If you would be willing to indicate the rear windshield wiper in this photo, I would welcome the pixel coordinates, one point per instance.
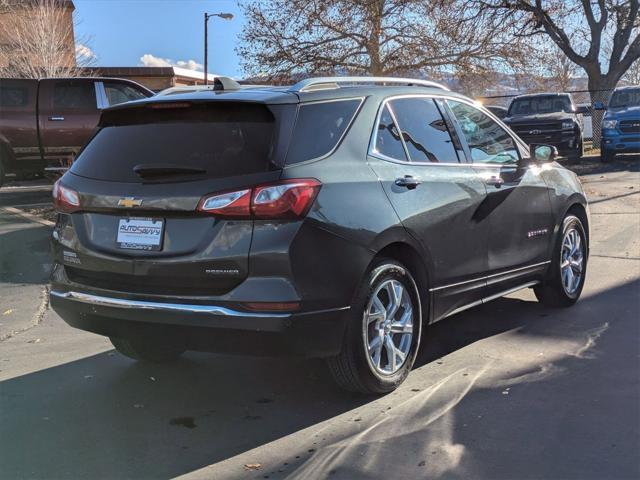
(165, 170)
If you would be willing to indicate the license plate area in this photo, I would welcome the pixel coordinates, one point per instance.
(137, 233)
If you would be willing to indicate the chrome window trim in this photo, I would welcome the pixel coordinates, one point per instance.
(344, 134)
(528, 267)
(372, 141)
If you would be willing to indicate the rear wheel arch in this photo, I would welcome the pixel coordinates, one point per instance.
(409, 256)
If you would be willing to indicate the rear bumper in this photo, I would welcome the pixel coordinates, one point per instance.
(206, 327)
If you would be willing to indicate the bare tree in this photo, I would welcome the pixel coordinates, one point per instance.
(633, 74)
(37, 40)
(581, 30)
(376, 37)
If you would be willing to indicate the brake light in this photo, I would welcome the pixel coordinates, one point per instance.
(288, 199)
(65, 200)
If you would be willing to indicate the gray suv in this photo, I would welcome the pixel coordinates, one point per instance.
(334, 218)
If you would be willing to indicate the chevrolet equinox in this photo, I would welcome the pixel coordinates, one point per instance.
(335, 218)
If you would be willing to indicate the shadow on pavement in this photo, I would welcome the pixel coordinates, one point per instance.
(18, 267)
(106, 417)
(592, 165)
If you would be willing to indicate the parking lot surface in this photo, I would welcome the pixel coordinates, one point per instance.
(507, 390)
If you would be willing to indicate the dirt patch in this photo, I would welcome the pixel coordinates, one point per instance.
(47, 212)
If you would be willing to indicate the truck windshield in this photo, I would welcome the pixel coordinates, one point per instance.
(541, 104)
(625, 98)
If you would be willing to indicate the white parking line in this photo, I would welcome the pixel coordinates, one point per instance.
(28, 216)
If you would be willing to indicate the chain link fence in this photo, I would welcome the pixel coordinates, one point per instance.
(592, 120)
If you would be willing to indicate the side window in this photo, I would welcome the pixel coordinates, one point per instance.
(424, 131)
(319, 128)
(80, 95)
(388, 142)
(120, 93)
(488, 141)
(12, 97)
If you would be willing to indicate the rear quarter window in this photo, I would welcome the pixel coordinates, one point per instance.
(319, 127)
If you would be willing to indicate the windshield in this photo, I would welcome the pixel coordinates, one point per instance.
(625, 98)
(542, 104)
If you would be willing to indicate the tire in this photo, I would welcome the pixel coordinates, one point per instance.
(2, 173)
(576, 155)
(146, 350)
(554, 291)
(354, 369)
(607, 157)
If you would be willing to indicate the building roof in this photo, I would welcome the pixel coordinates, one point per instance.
(152, 72)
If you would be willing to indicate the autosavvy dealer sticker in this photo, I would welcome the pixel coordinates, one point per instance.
(140, 233)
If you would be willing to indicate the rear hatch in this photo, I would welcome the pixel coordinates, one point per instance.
(140, 182)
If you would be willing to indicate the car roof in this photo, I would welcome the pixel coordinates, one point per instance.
(543, 94)
(285, 95)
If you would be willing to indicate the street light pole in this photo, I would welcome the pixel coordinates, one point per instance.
(207, 16)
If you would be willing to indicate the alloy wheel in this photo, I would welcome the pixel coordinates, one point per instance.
(571, 261)
(388, 327)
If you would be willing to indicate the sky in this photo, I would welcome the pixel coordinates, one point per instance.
(125, 33)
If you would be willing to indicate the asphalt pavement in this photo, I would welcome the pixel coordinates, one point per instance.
(509, 390)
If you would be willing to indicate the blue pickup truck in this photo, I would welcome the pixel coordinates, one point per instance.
(621, 123)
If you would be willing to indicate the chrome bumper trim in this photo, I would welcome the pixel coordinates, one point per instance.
(161, 307)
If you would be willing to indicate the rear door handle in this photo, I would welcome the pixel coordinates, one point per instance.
(56, 118)
(495, 181)
(408, 182)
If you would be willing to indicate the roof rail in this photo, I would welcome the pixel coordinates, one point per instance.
(329, 83)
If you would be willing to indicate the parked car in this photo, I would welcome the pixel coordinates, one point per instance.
(335, 218)
(550, 118)
(46, 122)
(621, 123)
(498, 111)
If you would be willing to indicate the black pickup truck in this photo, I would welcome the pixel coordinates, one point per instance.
(548, 118)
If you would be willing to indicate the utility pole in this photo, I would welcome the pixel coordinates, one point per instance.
(207, 16)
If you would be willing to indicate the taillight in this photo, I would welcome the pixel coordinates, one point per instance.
(228, 204)
(65, 200)
(288, 199)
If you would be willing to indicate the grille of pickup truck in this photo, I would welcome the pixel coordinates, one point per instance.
(530, 129)
(630, 126)
(543, 132)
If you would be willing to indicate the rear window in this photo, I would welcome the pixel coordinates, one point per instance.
(80, 95)
(220, 139)
(319, 128)
(14, 97)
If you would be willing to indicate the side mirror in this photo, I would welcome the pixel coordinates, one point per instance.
(582, 110)
(543, 153)
(599, 106)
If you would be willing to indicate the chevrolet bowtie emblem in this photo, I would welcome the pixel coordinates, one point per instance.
(129, 202)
